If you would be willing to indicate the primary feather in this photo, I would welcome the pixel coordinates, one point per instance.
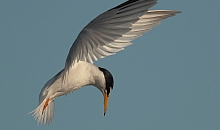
(114, 29)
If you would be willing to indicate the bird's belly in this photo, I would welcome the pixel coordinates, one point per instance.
(80, 75)
(76, 81)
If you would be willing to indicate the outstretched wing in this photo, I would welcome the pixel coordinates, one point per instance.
(114, 29)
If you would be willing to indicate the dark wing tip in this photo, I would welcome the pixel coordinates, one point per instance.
(131, 2)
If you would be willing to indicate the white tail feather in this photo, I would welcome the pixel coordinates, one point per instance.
(47, 116)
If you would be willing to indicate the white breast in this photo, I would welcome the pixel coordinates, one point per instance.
(80, 75)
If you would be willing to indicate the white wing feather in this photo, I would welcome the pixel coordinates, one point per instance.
(113, 30)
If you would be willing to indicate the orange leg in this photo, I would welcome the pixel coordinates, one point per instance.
(45, 105)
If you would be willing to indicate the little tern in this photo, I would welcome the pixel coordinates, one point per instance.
(105, 35)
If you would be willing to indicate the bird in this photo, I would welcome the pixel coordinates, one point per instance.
(108, 33)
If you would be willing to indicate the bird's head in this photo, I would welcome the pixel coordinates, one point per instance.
(109, 83)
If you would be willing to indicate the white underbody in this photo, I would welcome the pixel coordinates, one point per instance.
(79, 75)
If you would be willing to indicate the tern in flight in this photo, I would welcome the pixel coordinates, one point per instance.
(105, 35)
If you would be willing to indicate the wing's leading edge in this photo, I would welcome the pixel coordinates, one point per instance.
(114, 29)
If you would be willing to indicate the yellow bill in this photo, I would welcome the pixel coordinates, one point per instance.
(105, 102)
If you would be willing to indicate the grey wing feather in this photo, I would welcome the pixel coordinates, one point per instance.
(114, 29)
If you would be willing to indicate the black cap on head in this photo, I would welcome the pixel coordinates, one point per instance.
(109, 81)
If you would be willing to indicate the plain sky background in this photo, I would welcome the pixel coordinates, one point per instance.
(169, 79)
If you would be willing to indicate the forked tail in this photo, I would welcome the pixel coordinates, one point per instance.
(44, 113)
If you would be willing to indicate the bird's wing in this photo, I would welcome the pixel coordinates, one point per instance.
(114, 29)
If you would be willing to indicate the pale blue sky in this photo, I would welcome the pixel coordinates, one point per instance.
(169, 79)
